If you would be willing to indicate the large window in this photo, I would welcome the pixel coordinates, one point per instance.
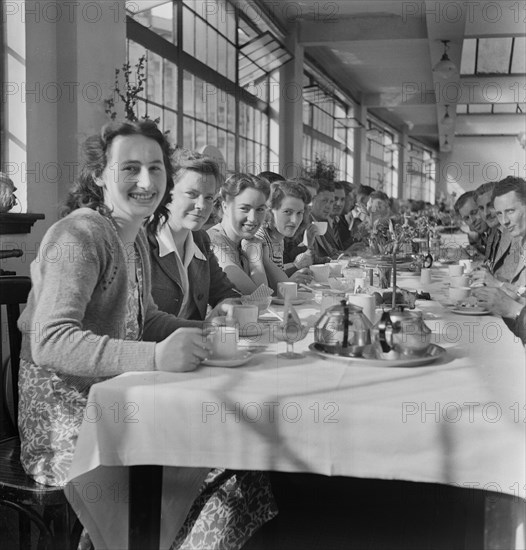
(323, 136)
(207, 82)
(421, 174)
(381, 167)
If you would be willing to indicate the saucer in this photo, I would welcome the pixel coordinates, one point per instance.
(301, 299)
(470, 310)
(236, 361)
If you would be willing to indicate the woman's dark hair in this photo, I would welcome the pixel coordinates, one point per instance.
(237, 183)
(271, 177)
(287, 188)
(379, 195)
(95, 151)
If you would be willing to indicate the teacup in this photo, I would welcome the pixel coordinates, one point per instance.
(288, 290)
(425, 276)
(224, 341)
(245, 315)
(320, 272)
(468, 265)
(459, 293)
(335, 269)
(455, 270)
(460, 281)
(367, 302)
(322, 227)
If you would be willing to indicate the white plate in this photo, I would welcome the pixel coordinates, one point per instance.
(232, 362)
(435, 352)
(470, 311)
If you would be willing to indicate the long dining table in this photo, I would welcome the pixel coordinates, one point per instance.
(458, 421)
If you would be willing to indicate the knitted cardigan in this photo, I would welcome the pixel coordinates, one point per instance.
(74, 321)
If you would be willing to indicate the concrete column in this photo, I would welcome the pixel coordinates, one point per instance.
(403, 158)
(291, 109)
(360, 144)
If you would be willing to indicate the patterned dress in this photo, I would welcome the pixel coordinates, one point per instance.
(52, 406)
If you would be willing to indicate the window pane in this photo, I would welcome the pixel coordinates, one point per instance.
(188, 133)
(221, 56)
(170, 84)
(188, 93)
(211, 135)
(221, 109)
(200, 107)
(231, 24)
(211, 48)
(200, 135)
(221, 142)
(231, 148)
(231, 113)
(211, 99)
(170, 124)
(188, 31)
(200, 42)
(222, 16)
(231, 62)
(154, 82)
(242, 154)
(156, 114)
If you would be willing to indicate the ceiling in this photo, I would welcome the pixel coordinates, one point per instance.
(382, 52)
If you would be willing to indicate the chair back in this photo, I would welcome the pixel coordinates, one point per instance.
(14, 291)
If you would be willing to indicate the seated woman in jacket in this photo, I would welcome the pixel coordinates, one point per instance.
(238, 252)
(186, 277)
(287, 203)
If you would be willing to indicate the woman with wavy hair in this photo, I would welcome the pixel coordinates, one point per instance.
(90, 314)
(238, 251)
(286, 208)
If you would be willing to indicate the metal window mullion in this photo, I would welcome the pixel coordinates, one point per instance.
(236, 103)
(180, 69)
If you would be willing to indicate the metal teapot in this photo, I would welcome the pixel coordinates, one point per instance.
(343, 329)
(401, 332)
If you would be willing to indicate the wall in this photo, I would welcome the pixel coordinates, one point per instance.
(476, 160)
(61, 64)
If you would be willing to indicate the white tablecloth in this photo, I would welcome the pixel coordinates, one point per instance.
(460, 421)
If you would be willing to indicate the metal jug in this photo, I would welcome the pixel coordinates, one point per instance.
(343, 329)
(401, 332)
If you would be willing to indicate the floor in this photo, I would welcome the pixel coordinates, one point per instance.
(320, 513)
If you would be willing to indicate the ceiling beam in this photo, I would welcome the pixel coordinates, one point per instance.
(361, 28)
(510, 124)
(423, 130)
(412, 94)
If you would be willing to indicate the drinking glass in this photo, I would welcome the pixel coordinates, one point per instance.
(292, 332)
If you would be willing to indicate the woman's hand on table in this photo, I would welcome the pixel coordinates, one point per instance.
(497, 301)
(302, 276)
(182, 351)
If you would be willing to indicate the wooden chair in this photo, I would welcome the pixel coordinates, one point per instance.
(46, 507)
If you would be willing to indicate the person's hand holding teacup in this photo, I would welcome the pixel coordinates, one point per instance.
(302, 276)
